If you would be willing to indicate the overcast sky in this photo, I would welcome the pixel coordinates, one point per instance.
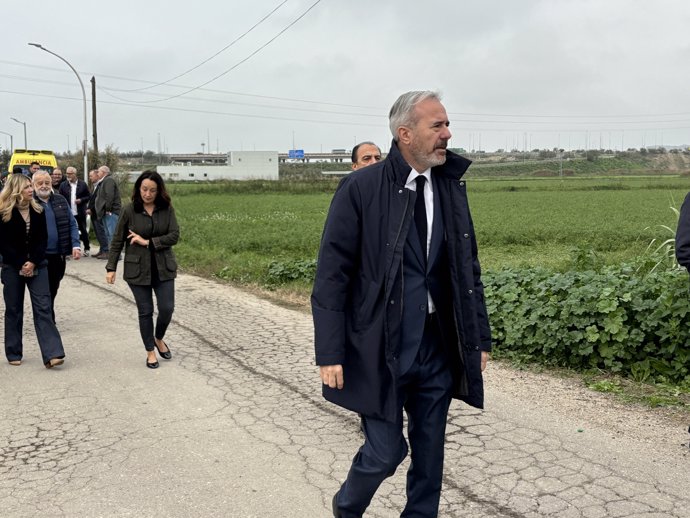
(513, 73)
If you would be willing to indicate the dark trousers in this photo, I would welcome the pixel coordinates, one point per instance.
(83, 233)
(165, 300)
(56, 271)
(424, 392)
(99, 229)
(13, 286)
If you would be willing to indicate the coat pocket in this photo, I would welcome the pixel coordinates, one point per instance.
(170, 262)
(132, 266)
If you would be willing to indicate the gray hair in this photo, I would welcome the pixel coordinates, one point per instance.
(39, 174)
(71, 169)
(402, 112)
(104, 169)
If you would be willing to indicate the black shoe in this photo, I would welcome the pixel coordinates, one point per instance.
(334, 505)
(167, 355)
(153, 365)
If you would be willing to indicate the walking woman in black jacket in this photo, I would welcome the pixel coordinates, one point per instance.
(23, 238)
(147, 229)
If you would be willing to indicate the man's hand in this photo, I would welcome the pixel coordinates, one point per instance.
(332, 375)
(76, 253)
(485, 359)
(27, 269)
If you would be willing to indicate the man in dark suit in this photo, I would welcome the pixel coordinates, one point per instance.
(398, 305)
(76, 192)
(107, 204)
(98, 227)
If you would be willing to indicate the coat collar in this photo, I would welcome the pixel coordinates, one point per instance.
(454, 167)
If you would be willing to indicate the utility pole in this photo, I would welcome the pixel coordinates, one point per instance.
(85, 146)
(93, 116)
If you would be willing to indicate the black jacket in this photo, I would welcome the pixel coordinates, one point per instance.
(163, 232)
(66, 225)
(16, 247)
(357, 294)
(107, 197)
(82, 194)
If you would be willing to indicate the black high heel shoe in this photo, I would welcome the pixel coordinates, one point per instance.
(167, 355)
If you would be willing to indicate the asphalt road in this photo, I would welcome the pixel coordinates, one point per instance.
(235, 426)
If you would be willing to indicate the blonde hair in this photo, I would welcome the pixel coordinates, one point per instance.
(11, 196)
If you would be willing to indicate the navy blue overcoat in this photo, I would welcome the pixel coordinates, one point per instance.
(357, 294)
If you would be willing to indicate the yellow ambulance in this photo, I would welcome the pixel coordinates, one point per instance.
(23, 158)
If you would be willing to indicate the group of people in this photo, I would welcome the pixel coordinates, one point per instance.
(43, 218)
(398, 303)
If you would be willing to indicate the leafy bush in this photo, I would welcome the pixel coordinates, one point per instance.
(280, 272)
(613, 319)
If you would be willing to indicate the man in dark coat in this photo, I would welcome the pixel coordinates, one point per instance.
(107, 203)
(98, 227)
(398, 305)
(77, 193)
(63, 236)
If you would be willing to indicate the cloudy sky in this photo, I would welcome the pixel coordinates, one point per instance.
(272, 74)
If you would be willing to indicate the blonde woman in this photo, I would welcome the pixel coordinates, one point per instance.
(23, 238)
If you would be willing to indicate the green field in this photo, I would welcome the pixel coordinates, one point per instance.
(236, 230)
(541, 221)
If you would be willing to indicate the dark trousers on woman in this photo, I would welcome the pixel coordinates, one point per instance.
(56, 271)
(165, 300)
(13, 287)
(424, 392)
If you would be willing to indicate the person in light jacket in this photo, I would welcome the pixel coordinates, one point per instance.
(147, 230)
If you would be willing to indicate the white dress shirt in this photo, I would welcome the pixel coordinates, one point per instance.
(73, 197)
(429, 205)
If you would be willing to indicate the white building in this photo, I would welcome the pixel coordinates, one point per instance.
(241, 165)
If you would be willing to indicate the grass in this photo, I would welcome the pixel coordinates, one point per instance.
(236, 236)
(236, 230)
(649, 394)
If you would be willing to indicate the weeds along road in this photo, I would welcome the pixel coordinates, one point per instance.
(235, 426)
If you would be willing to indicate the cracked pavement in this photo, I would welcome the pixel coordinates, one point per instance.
(235, 425)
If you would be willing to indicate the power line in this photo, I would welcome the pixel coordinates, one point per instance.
(210, 90)
(205, 112)
(220, 101)
(336, 122)
(229, 69)
(327, 103)
(214, 55)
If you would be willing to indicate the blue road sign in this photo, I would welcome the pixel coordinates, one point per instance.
(295, 153)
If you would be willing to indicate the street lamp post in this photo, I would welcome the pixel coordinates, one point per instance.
(83, 93)
(23, 124)
(11, 140)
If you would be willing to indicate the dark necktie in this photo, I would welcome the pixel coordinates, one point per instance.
(420, 212)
